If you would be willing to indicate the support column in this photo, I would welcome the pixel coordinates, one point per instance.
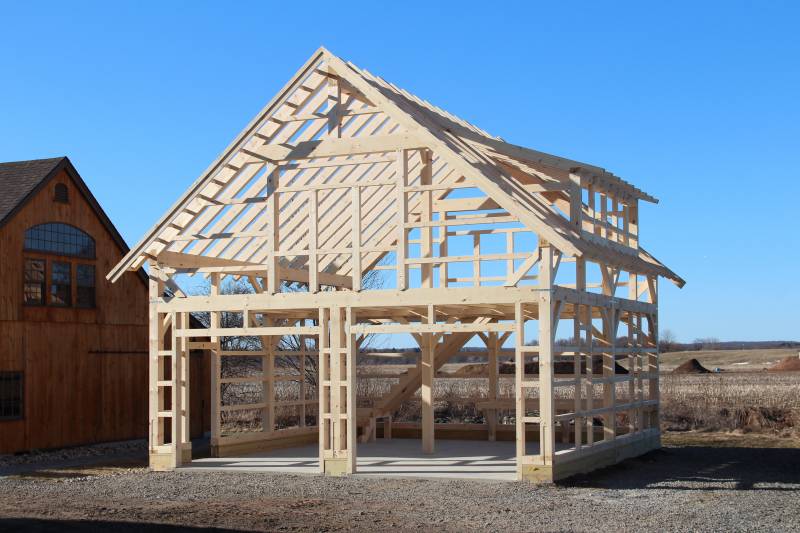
(216, 373)
(338, 351)
(493, 347)
(427, 364)
(546, 334)
(160, 456)
(184, 444)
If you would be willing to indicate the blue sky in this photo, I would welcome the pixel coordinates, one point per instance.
(696, 104)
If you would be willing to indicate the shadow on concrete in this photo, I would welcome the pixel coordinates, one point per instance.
(701, 468)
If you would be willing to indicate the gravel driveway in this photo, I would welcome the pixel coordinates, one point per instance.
(679, 488)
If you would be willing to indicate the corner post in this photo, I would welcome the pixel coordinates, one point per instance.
(546, 333)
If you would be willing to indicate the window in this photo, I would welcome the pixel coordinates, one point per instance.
(60, 284)
(61, 193)
(61, 239)
(33, 288)
(11, 395)
(84, 277)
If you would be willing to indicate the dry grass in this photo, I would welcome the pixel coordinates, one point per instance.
(728, 401)
(748, 360)
(750, 401)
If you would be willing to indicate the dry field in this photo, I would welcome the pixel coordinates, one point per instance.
(732, 360)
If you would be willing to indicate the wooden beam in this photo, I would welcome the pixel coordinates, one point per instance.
(331, 147)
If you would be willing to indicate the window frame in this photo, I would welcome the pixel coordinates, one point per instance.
(56, 285)
(21, 376)
(87, 257)
(78, 286)
(25, 282)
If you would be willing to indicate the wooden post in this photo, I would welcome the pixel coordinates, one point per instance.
(426, 233)
(519, 390)
(428, 357)
(273, 237)
(325, 422)
(355, 200)
(609, 364)
(546, 334)
(351, 362)
(182, 352)
(402, 214)
(313, 236)
(338, 451)
(160, 457)
(216, 370)
(493, 347)
(177, 397)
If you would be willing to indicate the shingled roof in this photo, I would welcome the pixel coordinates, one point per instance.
(20, 179)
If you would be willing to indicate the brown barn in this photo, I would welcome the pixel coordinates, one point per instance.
(73, 347)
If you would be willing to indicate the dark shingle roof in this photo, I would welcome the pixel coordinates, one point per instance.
(18, 179)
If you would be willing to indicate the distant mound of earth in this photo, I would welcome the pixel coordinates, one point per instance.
(563, 367)
(692, 366)
(790, 364)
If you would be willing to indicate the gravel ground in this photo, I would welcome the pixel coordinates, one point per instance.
(679, 488)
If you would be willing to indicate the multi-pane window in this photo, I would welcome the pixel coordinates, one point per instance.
(84, 277)
(11, 384)
(33, 288)
(60, 284)
(61, 239)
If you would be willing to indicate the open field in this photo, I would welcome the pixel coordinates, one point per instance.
(749, 360)
(697, 482)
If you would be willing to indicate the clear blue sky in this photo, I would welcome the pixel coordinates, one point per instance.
(697, 103)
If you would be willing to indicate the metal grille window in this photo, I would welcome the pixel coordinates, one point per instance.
(33, 288)
(11, 395)
(60, 284)
(61, 239)
(84, 277)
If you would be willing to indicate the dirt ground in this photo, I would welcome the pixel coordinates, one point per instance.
(698, 481)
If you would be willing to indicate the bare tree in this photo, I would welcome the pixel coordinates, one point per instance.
(667, 342)
(706, 343)
(239, 366)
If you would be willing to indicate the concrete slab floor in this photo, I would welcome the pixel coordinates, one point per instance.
(395, 458)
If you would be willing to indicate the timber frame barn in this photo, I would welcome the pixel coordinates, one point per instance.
(344, 175)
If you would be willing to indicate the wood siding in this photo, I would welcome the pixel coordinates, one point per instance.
(85, 369)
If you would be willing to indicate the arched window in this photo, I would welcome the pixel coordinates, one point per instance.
(61, 193)
(61, 239)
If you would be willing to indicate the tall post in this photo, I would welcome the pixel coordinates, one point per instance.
(426, 208)
(351, 361)
(519, 390)
(546, 333)
(428, 354)
(177, 396)
(493, 347)
(159, 453)
(324, 384)
(273, 232)
(338, 435)
(216, 371)
(402, 214)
